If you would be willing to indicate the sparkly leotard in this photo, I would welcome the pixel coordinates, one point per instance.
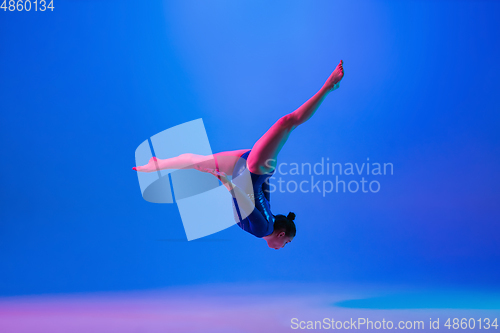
(260, 222)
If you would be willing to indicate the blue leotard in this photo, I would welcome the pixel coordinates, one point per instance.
(260, 222)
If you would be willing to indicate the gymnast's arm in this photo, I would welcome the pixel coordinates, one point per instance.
(244, 202)
(267, 192)
(258, 225)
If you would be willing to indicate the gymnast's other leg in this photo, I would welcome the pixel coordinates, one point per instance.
(264, 153)
(223, 161)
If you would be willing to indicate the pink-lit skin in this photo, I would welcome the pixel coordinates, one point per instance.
(265, 151)
(263, 156)
(277, 240)
(150, 167)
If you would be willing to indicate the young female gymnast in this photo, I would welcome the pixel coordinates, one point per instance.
(260, 161)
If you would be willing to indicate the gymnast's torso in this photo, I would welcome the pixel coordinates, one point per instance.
(260, 221)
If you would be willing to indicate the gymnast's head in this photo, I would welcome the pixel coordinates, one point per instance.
(284, 231)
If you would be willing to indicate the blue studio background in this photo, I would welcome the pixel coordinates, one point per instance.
(81, 87)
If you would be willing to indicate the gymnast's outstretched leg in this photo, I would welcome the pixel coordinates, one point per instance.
(264, 153)
(223, 161)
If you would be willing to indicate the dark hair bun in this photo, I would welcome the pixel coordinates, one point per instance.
(291, 216)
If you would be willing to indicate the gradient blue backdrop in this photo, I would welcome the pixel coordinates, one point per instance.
(83, 86)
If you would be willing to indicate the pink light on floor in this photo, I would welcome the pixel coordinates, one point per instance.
(231, 308)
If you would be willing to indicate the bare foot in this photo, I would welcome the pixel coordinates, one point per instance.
(333, 81)
(150, 167)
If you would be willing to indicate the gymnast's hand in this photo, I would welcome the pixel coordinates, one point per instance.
(222, 177)
(333, 81)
